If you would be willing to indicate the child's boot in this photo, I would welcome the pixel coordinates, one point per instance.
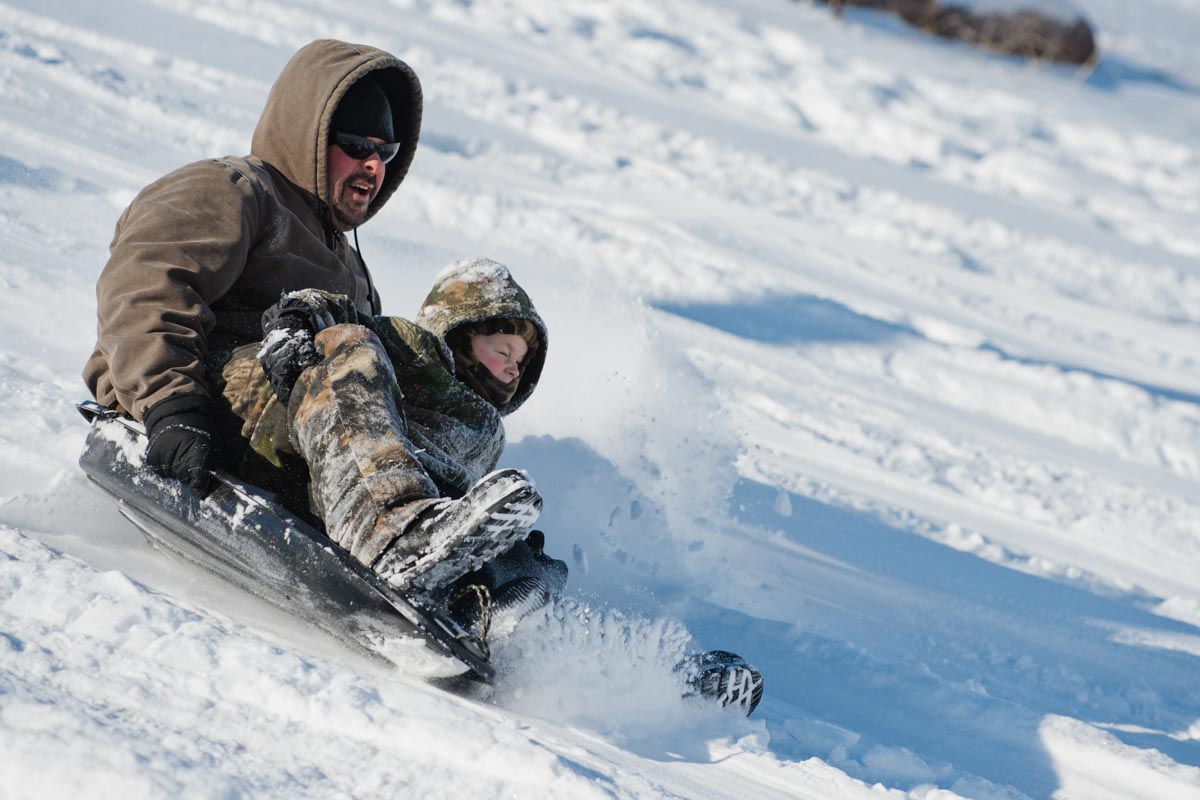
(450, 538)
(723, 677)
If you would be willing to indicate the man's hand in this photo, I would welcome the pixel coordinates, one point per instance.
(181, 441)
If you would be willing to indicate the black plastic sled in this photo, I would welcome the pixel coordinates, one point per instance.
(244, 536)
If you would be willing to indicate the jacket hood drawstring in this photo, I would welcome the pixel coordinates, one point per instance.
(376, 308)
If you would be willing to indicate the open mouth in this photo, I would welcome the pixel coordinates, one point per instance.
(361, 190)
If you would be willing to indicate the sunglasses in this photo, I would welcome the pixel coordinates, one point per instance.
(361, 148)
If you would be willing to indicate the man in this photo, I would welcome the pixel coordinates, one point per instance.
(201, 253)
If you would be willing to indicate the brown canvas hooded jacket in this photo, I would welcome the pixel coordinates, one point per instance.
(200, 253)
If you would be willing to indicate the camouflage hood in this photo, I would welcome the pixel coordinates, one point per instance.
(477, 290)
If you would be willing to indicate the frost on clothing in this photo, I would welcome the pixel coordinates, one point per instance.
(349, 425)
(477, 290)
(382, 421)
(200, 253)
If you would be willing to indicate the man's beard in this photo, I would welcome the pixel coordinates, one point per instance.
(348, 215)
(346, 220)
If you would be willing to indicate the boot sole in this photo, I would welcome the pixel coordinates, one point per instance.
(738, 688)
(727, 679)
(510, 507)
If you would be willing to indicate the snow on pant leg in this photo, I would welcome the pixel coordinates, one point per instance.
(348, 424)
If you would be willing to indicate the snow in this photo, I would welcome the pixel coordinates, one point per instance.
(876, 360)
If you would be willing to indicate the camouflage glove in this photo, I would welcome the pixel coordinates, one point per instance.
(287, 350)
(181, 441)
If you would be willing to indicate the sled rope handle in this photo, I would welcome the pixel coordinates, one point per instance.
(484, 598)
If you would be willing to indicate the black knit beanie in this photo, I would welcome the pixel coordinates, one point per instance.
(364, 111)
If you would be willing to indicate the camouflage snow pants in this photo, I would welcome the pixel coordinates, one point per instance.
(345, 423)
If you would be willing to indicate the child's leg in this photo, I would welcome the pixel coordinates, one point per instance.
(347, 421)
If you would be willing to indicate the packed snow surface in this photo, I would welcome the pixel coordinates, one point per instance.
(876, 359)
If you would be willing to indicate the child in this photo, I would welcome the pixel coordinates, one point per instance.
(398, 427)
(397, 424)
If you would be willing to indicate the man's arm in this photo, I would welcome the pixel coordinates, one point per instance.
(178, 248)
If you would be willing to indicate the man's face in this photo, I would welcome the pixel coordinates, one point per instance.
(353, 184)
(501, 354)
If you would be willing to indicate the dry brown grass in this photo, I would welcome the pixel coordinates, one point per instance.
(1023, 32)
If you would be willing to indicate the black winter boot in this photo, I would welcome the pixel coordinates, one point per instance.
(475, 606)
(723, 677)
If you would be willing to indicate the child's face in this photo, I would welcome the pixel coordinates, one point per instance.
(501, 353)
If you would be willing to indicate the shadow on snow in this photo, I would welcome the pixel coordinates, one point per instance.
(789, 319)
(876, 638)
(913, 643)
(799, 319)
(16, 173)
(1113, 72)
(1159, 392)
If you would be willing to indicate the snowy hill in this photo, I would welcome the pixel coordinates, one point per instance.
(875, 358)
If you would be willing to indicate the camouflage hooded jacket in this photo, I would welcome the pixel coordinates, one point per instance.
(458, 436)
(200, 253)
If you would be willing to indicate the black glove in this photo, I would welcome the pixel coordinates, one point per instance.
(287, 349)
(181, 441)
